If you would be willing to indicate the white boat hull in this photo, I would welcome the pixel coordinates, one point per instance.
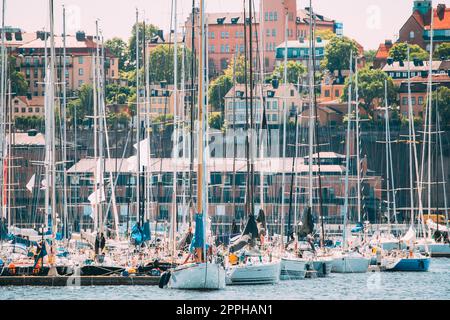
(436, 249)
(292, 268)
(202, 276)
(261, 273)
(349, 264)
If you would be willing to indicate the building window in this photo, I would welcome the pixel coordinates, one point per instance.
(30, 110)
(420, 101)
(80, 60)
(405, 101)
(16, 110)
(292, 93)
(327, 93)
(112, 73)
(212, 49)
(413, 99)
(274, 32)
(266, 16)
(80, 72)
(24, 110)
(337, 93)
(268, 32)
(36, 110)
(411, 35)
(270, 16)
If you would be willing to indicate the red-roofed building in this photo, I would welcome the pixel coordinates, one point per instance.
(416, 29)
(382, 54)
(27, 107)
(79, 62)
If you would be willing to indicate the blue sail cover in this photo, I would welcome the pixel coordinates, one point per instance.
(198, 242)
(140, 234)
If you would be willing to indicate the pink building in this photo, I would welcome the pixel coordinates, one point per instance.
(226, 36)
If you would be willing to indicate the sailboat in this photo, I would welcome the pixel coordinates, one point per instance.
(410, 259)
(206, 272)
(346, 260)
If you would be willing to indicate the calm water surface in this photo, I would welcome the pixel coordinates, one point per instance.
(432, 285)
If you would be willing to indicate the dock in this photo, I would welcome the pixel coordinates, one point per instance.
(75, 281)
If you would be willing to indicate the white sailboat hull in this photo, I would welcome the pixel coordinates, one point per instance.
(261, 273)
(350, 264)
(202, 276)
(292, 268)
(436, 249)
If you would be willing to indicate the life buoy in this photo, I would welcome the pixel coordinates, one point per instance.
(164, 279)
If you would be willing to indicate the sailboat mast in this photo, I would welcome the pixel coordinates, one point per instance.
(311, 115)
(52, 119)
(283, 174)
(138, 126)
(175, 126)
(64, 128)
(388, 182)
(358, 143)
(347, 154)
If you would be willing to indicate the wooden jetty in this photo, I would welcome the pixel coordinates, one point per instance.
(74, 281)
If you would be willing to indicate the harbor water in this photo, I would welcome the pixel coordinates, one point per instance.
(432, 285)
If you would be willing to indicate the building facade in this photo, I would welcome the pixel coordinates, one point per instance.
(80, 50)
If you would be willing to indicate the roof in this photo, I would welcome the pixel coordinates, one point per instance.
(302, 45)
(38, 101)
(304, 15)
(267, 165)
(23, 139)
(426, 66)
(383, 51)
(438, 23)
(211, 18)
(71, 43)
(279, 92)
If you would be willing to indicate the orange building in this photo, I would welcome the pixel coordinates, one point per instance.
(79, 62)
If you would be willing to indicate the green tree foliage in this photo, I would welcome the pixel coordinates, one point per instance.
(442, 52)
(27, 123)
(119, 49)
(337, 54)
(19, 85)
(150, 32)
(370, 56)
(295, 70)
(442, 98)
(325, 34)
(118, 94)
(237, 68)
(161, 63)
(217, 91)
(399, 52)
(371, 87)
(216, 120)
(82, 106)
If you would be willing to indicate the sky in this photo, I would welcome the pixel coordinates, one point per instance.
(369, 22)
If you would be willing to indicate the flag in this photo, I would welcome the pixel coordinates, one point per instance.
(97, 197)
(30, 184)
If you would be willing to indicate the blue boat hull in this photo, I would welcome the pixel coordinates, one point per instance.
(420, 264)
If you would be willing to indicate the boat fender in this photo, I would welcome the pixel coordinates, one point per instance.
(164, 280)
(324, 268)
(12, 269)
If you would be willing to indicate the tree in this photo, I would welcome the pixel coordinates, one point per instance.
(442, 98)
(161, 63)
(399, 52)
(19, 85)
(370, 56)
(119, 49)
(237, 68)
(295, 70)
(325, 34)
(150, 31)
(337, 54)
(216, 120)
(83, 105)
(217, 91)
(442, 52)
(371, 87)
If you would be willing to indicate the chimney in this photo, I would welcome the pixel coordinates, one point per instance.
(441, 11)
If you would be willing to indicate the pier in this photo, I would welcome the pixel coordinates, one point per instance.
(71, 281)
